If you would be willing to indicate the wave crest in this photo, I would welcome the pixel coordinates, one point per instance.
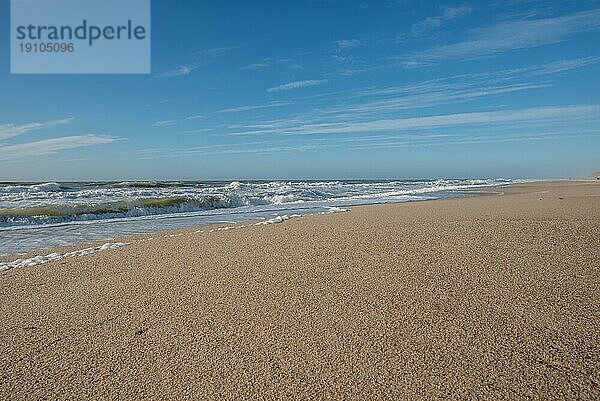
(43, 187)
(125, 208)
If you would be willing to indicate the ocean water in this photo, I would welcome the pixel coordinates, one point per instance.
(44, 215)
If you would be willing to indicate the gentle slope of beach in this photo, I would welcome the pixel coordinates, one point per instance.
(493, 296)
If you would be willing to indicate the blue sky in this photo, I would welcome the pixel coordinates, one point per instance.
(322, 89)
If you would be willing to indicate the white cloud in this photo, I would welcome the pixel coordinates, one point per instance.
(401, 142)
(255, 107)
(164, 123)
(297, 85)
(372, 102)
(428, 96)
(565, 65)
(510, 35)
(205, 56)
(552, 113)
(215, 51)
(540, 113)
(12, 130)
(179, 71)
(348, 43)
(197, 131)
(448, 14)
(342, 109)
(256, 66)
(51, 146)
(271, 62)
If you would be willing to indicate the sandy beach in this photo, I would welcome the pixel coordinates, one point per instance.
(492, 297)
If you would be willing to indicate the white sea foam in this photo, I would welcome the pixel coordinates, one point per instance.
(281, 199)
(334, 209)
(41, 259)
(275, 220)
(234, 185)
(281, 218)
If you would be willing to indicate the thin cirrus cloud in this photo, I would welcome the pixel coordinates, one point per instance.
(430, 98)
(197, 131)
(449, 141)
(12, 130)
(212, 53)
(52, 146)
(297, 85)
(256, 66)
(448, 14)
(254, 107)
(180, 70)
(271, 62)
(566, 65)
(490, 117)
(343, 111)
(204, 57)
(371, 103)
(164, 123)
(551, 113)
(371, 142)
(349, 43)
(170, 123)
(507, 36)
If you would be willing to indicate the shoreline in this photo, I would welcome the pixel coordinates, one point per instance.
(132, 238)
(142, 237)
(74, 247)
(486, 296)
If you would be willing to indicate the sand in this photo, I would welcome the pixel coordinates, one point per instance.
(493, 297)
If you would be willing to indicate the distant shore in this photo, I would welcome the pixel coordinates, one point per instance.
(489, 296)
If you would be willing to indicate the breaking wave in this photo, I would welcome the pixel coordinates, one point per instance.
(43, 187)
(52, 214)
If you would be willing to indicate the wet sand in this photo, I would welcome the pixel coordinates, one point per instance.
(492, 297)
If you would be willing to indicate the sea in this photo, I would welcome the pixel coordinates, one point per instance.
(48, 214)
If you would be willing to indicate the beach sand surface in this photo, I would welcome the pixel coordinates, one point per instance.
(492, 297)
